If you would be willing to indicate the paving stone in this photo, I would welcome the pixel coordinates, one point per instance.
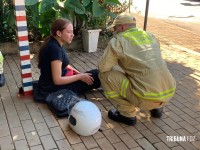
(196, 143)
(190, 112)
(178, 104)
(28, 125)
(104, 144)
(177, 148)
(98, 104)
(57, 133)
(137, 148)
(89, 142)
(98, 135)
(120, 146)
(151, 126)
(3, 119)
(111, 136)
(189, 119)
(104, 101)
(197, 136)
(32, 107)
(14, 121)
(140, 126)
(44, 110)
(64, 124)
(116, 128)
(175, 109)
(187, 145)
(128, 141)
(6, 143)
(106, 119)
(42, 129)
(23, 114)
(104, 125)
(37, 147)
(145, 144)
(72, 137)
(161, 145)
(17, 134)
(187, 126)
(158, 122)
(32, 138)
(190, 105)
(51, 121)
(48, 142)
(10, 109)
(1, 106)
(174, 117)
(21, 145)
(63, 145)
(79, 146)
(171, 123)
(150, 136)
(169, 131)
(197, 127)
(133, 132)
(36, 117)
(184, 132)
(19, 105)
(96, 148)
(4, 130)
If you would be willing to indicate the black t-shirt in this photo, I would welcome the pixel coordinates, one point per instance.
(52, 51)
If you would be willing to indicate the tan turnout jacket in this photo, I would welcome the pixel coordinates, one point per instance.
(138, 53)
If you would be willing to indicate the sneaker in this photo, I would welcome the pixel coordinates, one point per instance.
(116, 116)
(156, 113)
(2, 80)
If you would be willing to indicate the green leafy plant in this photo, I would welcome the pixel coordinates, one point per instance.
(7, 32)
(97, 12)
(40, 14)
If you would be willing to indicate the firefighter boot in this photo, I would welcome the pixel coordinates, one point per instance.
(156, 113)
(116, 116)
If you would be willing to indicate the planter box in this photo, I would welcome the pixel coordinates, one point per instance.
(90, 39)
(8, 48)
(13, 48)
(76, 45)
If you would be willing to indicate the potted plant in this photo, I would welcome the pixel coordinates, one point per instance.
(94, 20)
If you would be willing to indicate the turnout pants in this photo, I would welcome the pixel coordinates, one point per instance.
(118, 88)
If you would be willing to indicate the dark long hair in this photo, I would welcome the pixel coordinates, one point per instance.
(58, 25)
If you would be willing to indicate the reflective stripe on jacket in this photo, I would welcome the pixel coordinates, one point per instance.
(1, 57)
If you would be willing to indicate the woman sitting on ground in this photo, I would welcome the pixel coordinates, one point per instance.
(56, 73)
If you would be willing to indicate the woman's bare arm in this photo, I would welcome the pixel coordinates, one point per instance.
(59, 80)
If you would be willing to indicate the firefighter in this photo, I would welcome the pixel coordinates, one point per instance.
(143, 79)
(2, 78)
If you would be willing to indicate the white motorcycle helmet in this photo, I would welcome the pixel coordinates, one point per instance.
(85, 118)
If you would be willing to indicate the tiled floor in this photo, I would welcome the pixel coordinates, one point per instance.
(25, 124)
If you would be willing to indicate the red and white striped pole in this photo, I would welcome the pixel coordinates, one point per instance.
(23, 43)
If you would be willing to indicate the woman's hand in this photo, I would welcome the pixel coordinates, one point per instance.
(87, 78)
(61, 80)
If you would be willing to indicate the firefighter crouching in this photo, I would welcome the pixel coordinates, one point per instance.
(143, 79)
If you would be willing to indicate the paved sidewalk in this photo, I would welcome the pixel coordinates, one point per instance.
(25, 124)
(177, 33)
